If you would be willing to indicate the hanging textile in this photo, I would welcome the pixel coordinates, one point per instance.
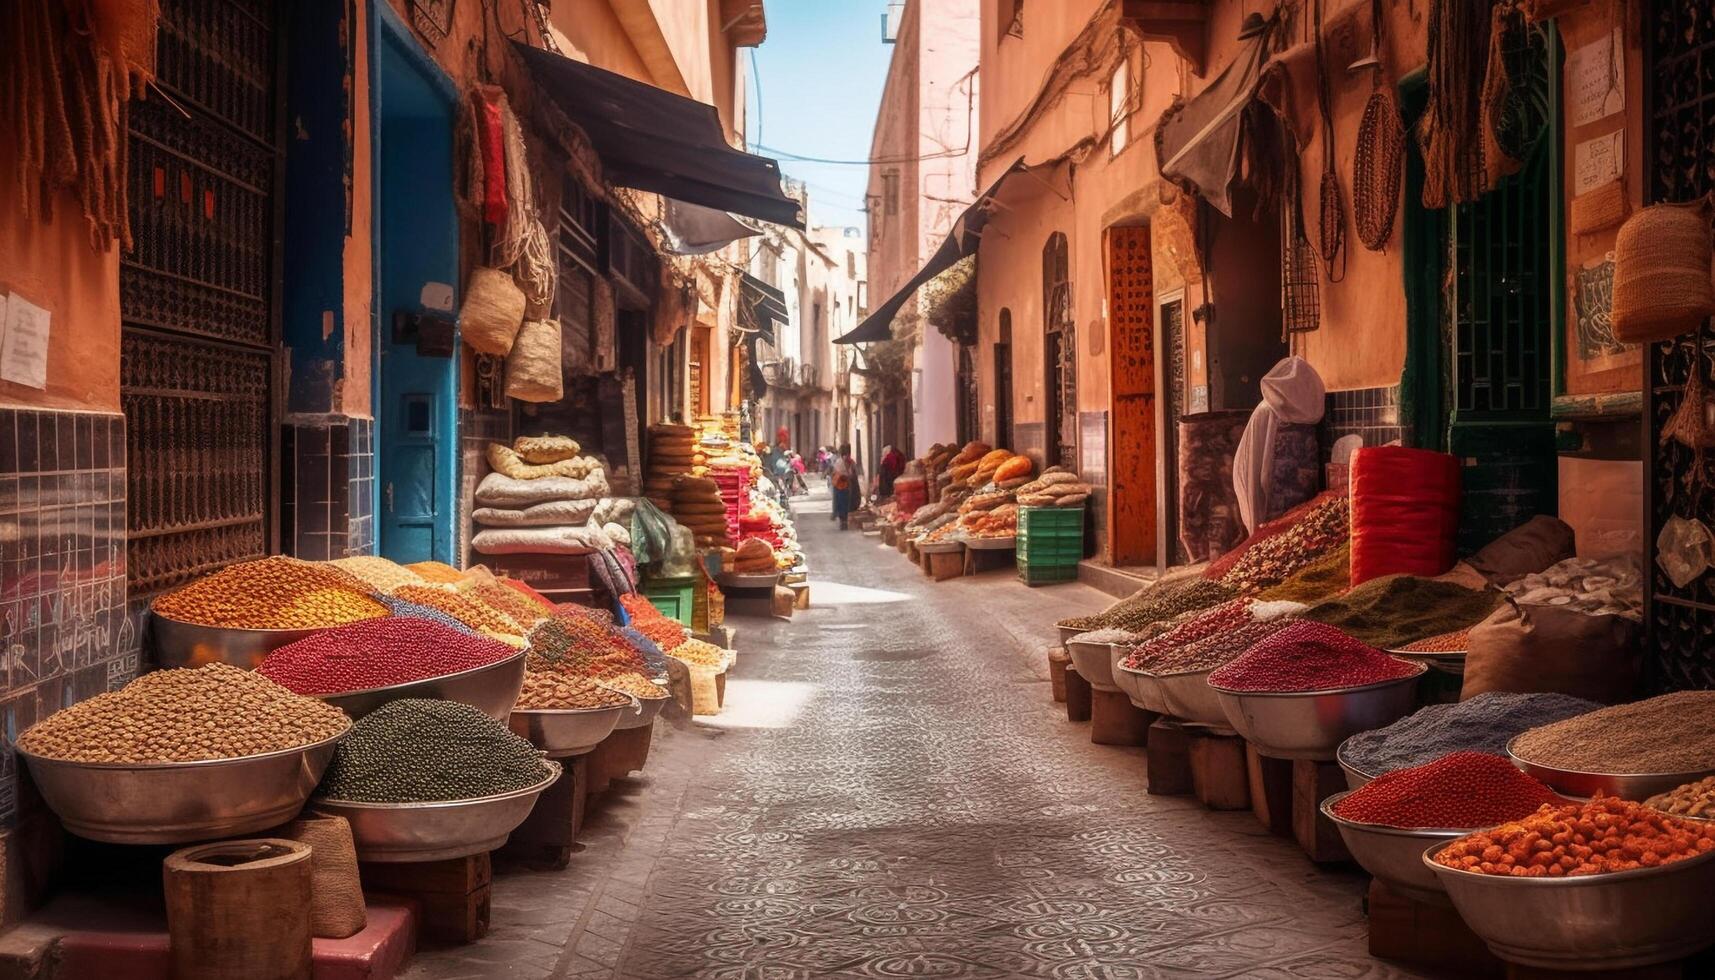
(1450, 133)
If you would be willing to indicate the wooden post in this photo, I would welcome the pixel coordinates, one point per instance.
(545, 838)
(1218, 775)
(1169, 759)
(1058, 661)
(453, 895)
(1313, 782)
(1078, 693)
(1421, 934)
(1270, 789)
(1114, 720)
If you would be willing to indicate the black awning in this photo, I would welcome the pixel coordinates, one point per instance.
(1198, 142)
(960, 242)
(766, 304)
(655, 141)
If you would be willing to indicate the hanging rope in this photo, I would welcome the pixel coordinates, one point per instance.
(1449, 136)
(1331, 233)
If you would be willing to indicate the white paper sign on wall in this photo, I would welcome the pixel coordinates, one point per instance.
(24, 343)
(1598, 161)
(1597, 76)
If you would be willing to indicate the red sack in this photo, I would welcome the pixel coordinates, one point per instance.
(1405, 512)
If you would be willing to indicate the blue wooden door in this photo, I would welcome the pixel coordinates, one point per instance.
(416, 262)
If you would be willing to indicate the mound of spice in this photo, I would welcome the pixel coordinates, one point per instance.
(1603, 836)
(1324, 527)
(1213, 652)
(419, 751)
(1694, 799)
(216, 711)
(1457, 641)
(699, 653)
(515, 605)
(1322, 579)
(1155, 603)
(378, 653)
(1307, 656)
(1393, 610)
(1103, 636)
(376, 572)
(1670, 733)
(646, 648)
(559, 692)
(277, 593)
(1485, 723)
(465, 608)
(410, 610)
(1458, 791)
(636, 684)
(436, 571)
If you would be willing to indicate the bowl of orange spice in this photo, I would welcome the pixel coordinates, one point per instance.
(1606, 884)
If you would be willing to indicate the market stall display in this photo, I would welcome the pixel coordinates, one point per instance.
(540, 508)
(1485, 723)
(1633, 750)
(427, 780)
(696, 503)
(672, 454)
(182, 755)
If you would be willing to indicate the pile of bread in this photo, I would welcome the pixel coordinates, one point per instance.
(753, 556)
(1056, 487)
(696, 503)
(976, 466)
(673, 452)
(989, 514)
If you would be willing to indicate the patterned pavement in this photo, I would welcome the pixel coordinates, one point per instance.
(891, 793)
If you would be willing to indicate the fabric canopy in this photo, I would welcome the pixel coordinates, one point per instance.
(1198, 142)
(960, 242)
(766, 304)
(659, 142)
(692, 229)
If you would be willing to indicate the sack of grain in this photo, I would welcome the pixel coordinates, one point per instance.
(1553, 650)
(1662, 285)
(533, 366)
(336, 897)
(492, 313)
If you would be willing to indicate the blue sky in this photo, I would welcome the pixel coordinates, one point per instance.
(820, 73)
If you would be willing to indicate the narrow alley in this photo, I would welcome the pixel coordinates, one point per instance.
(894, 794)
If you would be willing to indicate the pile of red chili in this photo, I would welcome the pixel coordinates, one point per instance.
(378, 653)
(1310, 656)
(1460, 790)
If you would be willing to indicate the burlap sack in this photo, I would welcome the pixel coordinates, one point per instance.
(1553, 650)
(1525, 550)
(492, 313)
(336, 894)
(533, 366)
(545, 449)
(1662, 284)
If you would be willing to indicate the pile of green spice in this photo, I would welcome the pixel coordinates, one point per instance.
(1394, 610)
(1319, 581)
(420, 751)
(1155, 604)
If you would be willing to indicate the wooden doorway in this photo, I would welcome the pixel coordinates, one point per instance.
(1059, 356)
(1133, 443)
(1003, 382)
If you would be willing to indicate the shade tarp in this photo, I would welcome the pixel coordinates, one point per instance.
(1199, 141)
(656, 141)
(961, 241)
(691, 229)
(766, 304)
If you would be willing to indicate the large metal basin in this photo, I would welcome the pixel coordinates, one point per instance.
(1143, 689)
(1094, 662)
(402, 832)
(647, 711)
(1188, 696)
(1592, 922)
(561, 732)
(180, 802)
(1394, 854)
(1355, 778)
(180, 644)
(1067, 632)
(1312, 724)
(493, 688)
(1637, 786)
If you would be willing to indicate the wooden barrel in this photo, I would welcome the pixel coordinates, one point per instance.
(239, 910)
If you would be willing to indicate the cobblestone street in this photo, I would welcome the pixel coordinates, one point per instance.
(892, 793)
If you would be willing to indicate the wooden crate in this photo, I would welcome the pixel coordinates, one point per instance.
(1432, 936)
(1219, 778)
(1169, 759)
(1058, 662)
(1270, 790)
(452, 896)
(1114, 720)
(1313, 782)
(546, 837)
(1078, 694)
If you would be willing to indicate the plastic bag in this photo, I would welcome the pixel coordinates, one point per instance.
(651, 532)
(1405, 512)
(680, 559)
(1682, 549)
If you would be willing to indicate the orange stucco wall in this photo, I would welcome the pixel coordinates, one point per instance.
(52, 265)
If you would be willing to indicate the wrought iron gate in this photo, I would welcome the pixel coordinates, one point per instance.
(198, 297)
(1060, 355)
(1679, 79)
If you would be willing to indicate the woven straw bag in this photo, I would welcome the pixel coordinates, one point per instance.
(1603, 207)
(1662, 284)
(492, 313)
(533, 365)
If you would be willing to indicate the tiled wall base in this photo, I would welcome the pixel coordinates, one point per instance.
(327, 502)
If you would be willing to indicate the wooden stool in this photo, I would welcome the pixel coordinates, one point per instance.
(1169, 759)
(1270, 790)
(1114, 720)
(546, 837)
(1218, 775)
(1427, 935)
(1313, 782)
(619, 755)
(945, 565)
(978, 560)
(1078, 694)
(453, 895)
(1058, 661)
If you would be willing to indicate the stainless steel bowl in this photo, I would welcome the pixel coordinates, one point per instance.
(1067, 632)
(568, 731)
(1007, 543)
(1312, 724)
(1094, 663)
(400, 832)
(180, 802)
(1132, 683)
(1592, 922)
(492, 687)
(1355, 778)
(647, 711)
(1188, 696)
(180, 644)
(1629, 786)
(733, 580)
(1394, 854)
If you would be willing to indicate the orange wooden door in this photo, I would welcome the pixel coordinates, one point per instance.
(1131, 313)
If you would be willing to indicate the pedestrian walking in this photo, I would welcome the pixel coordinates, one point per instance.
(892, 465)
(845, 484)
(798, 469)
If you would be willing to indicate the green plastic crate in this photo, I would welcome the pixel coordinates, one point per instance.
(673, 596)
(1033, 520)
(1036, 574)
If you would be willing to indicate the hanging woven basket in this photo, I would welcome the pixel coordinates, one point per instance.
(1662, 284)
(1378, 171)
